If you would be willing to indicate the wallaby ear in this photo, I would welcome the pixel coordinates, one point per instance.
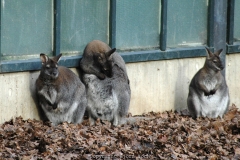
(110, 52)
(210, 54)
(44, 58)
(57, 58)
(219, 52)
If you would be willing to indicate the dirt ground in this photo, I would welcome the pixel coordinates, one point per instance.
(167, 135)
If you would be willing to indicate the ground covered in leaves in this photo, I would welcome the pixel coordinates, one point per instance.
(167, 135)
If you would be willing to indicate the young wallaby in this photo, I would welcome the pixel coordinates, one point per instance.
(97, 59)
(208, 92)
(60, 92)
(109, 96)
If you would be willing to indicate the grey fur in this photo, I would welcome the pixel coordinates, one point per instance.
(108, 99)
(208, 92)
(60, 92)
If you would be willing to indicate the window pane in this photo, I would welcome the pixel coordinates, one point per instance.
(82, 22)
(137, 24)
(187, 23)
(237, 21)
(26, 27)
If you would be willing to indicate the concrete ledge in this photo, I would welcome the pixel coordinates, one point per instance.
(156, 86)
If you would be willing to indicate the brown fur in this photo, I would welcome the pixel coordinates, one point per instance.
(97, 59)
(60, 92)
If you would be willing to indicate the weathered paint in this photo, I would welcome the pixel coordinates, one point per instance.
(233, 78)
(156, 86)
(161, 85)
(17, 96)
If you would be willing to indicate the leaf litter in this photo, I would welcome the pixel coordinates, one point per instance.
(166, 135)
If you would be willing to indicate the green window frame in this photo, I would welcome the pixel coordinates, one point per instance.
(157, 49)
(233, 23)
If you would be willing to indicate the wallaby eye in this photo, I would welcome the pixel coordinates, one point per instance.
(47, 66)
(214, 61)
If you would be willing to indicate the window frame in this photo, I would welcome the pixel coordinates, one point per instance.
(231, 47)
(162, 53)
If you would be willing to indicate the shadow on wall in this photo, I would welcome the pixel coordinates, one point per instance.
(79, 73)
(32, 79)
(181, 87)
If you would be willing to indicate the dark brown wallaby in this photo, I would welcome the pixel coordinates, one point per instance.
(208, 92)
(97, 59)
(60, 92)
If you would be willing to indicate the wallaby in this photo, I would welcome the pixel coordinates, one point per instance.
(108, 94)
(208, 92)
(97, 59)
(60, 92)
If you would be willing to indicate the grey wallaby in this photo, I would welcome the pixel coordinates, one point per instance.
(107, 83)
(208, 92)
(60, 92)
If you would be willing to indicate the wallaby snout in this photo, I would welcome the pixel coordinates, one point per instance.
(107, 72)
(54, 72)
(221, 66)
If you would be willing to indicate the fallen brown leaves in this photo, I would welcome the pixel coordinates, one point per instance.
(167, 135)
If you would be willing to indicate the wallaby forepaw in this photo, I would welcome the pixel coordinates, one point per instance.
(101, 76)
(115, 124)
(207, 94)
(212, 92)
(91, 121)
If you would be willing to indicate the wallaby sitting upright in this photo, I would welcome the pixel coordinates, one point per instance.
(208, 92)
(107, 84)
(60, 92)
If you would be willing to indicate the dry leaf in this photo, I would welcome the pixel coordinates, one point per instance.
(167, 135)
